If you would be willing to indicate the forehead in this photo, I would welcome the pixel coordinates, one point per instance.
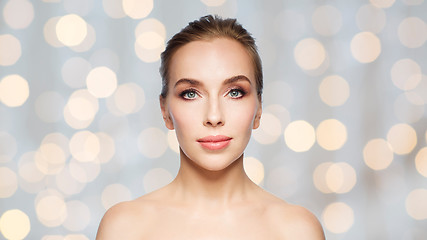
(215, 59)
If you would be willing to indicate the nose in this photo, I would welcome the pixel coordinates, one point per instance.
(214, 116)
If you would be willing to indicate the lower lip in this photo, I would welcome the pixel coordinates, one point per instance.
(215, 145)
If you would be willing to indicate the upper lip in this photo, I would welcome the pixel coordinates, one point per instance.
(217, 138)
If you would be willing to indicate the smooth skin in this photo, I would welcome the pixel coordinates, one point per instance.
(212, 91)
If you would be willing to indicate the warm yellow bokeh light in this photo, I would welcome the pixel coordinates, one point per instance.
(340, 177)
(269, 130)
(8, 182)
(406, 74)
(326, 20)
(319, 177)
(10, 49)
(331, 134)
(51, 210)
(71, 30)
(150, 25)
(113, 8)
(378, 154)
(370, 18)
(338, 217)
(365, 47)
(152, 142)
(382, 3)
(334, 90)
(254, 169)
(128, 98)
(402, 138)
(15, 224)
(421, 161)
(14, 90)
(137, 9)
(50, 158)
(115, 193)
(149, 46)
(87, 42)
(416, 205)
(156, 178)
(28, 169)
(84, 172)
(49, 32)
(299, 136)
(412, 32)
(18, 14)
(84, 146)
(80, 109)
(107, 147)
(213, 3)
(309, 54)
(101, 82)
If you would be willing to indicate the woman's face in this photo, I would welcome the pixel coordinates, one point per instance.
(212, 102)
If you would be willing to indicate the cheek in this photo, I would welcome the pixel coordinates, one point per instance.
(183, 117)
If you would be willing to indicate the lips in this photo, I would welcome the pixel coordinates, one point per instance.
(217, 142)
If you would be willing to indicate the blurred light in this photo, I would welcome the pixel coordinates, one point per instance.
(370, 18)
(49, 106)
(149, 46)
(365, 47)
(413, 2)
(79, 7)
(128, 98)
(67, 184)
(84, 172)
(338, 217)
(340, 177)
(414, 98)
(18, 14)
(14, 90)
(173, 141)
(101, 82)
(71, 30)
(378, 154)
(50, 158)
(74, 72)
(28, 169)
(80, 217)
(309, 54)
(412, 32)
(421, 161)
(269, 130)
(291, 25)
(406, 111)
(278, 92)
(75, 237)
(406, 74)
(137, 9)
(115, 193)
(8, 182)
(281, 113)
(152, 142)
(80, 109)
(319, 177)
(334, 90)
(156, 178)
(299, 136)
(52, 237)
(113, 8)
(150, 25)
(87, 42)
(382, 3)
(327, 20)
(49, 32)
(107, 147)
(58, 139)
(213, 3)
(402, 138)
(15, 224)
(254, 169)
(8, 147)
(51, 210)
(416, 204)
(331, 134)
(84, 146)
(105, 57)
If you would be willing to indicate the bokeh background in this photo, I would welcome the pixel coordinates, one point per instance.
(343, 133)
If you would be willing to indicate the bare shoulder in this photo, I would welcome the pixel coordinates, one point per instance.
(295, 222)
(126, 220)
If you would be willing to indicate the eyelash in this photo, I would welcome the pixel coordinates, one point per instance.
(191, 90)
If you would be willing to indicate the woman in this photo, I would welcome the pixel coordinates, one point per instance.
(211, 96)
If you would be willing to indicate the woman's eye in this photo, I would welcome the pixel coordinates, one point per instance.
(235, 93)
(189, 94)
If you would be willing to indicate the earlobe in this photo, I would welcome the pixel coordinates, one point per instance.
(165, 112)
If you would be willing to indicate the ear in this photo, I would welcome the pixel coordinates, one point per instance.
(165, 113)
(257, 119)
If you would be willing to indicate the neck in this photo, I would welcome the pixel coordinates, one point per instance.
(199, 185)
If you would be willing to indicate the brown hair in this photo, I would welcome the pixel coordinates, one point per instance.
(207, 28)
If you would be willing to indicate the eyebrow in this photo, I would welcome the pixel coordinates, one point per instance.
(227, 81)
